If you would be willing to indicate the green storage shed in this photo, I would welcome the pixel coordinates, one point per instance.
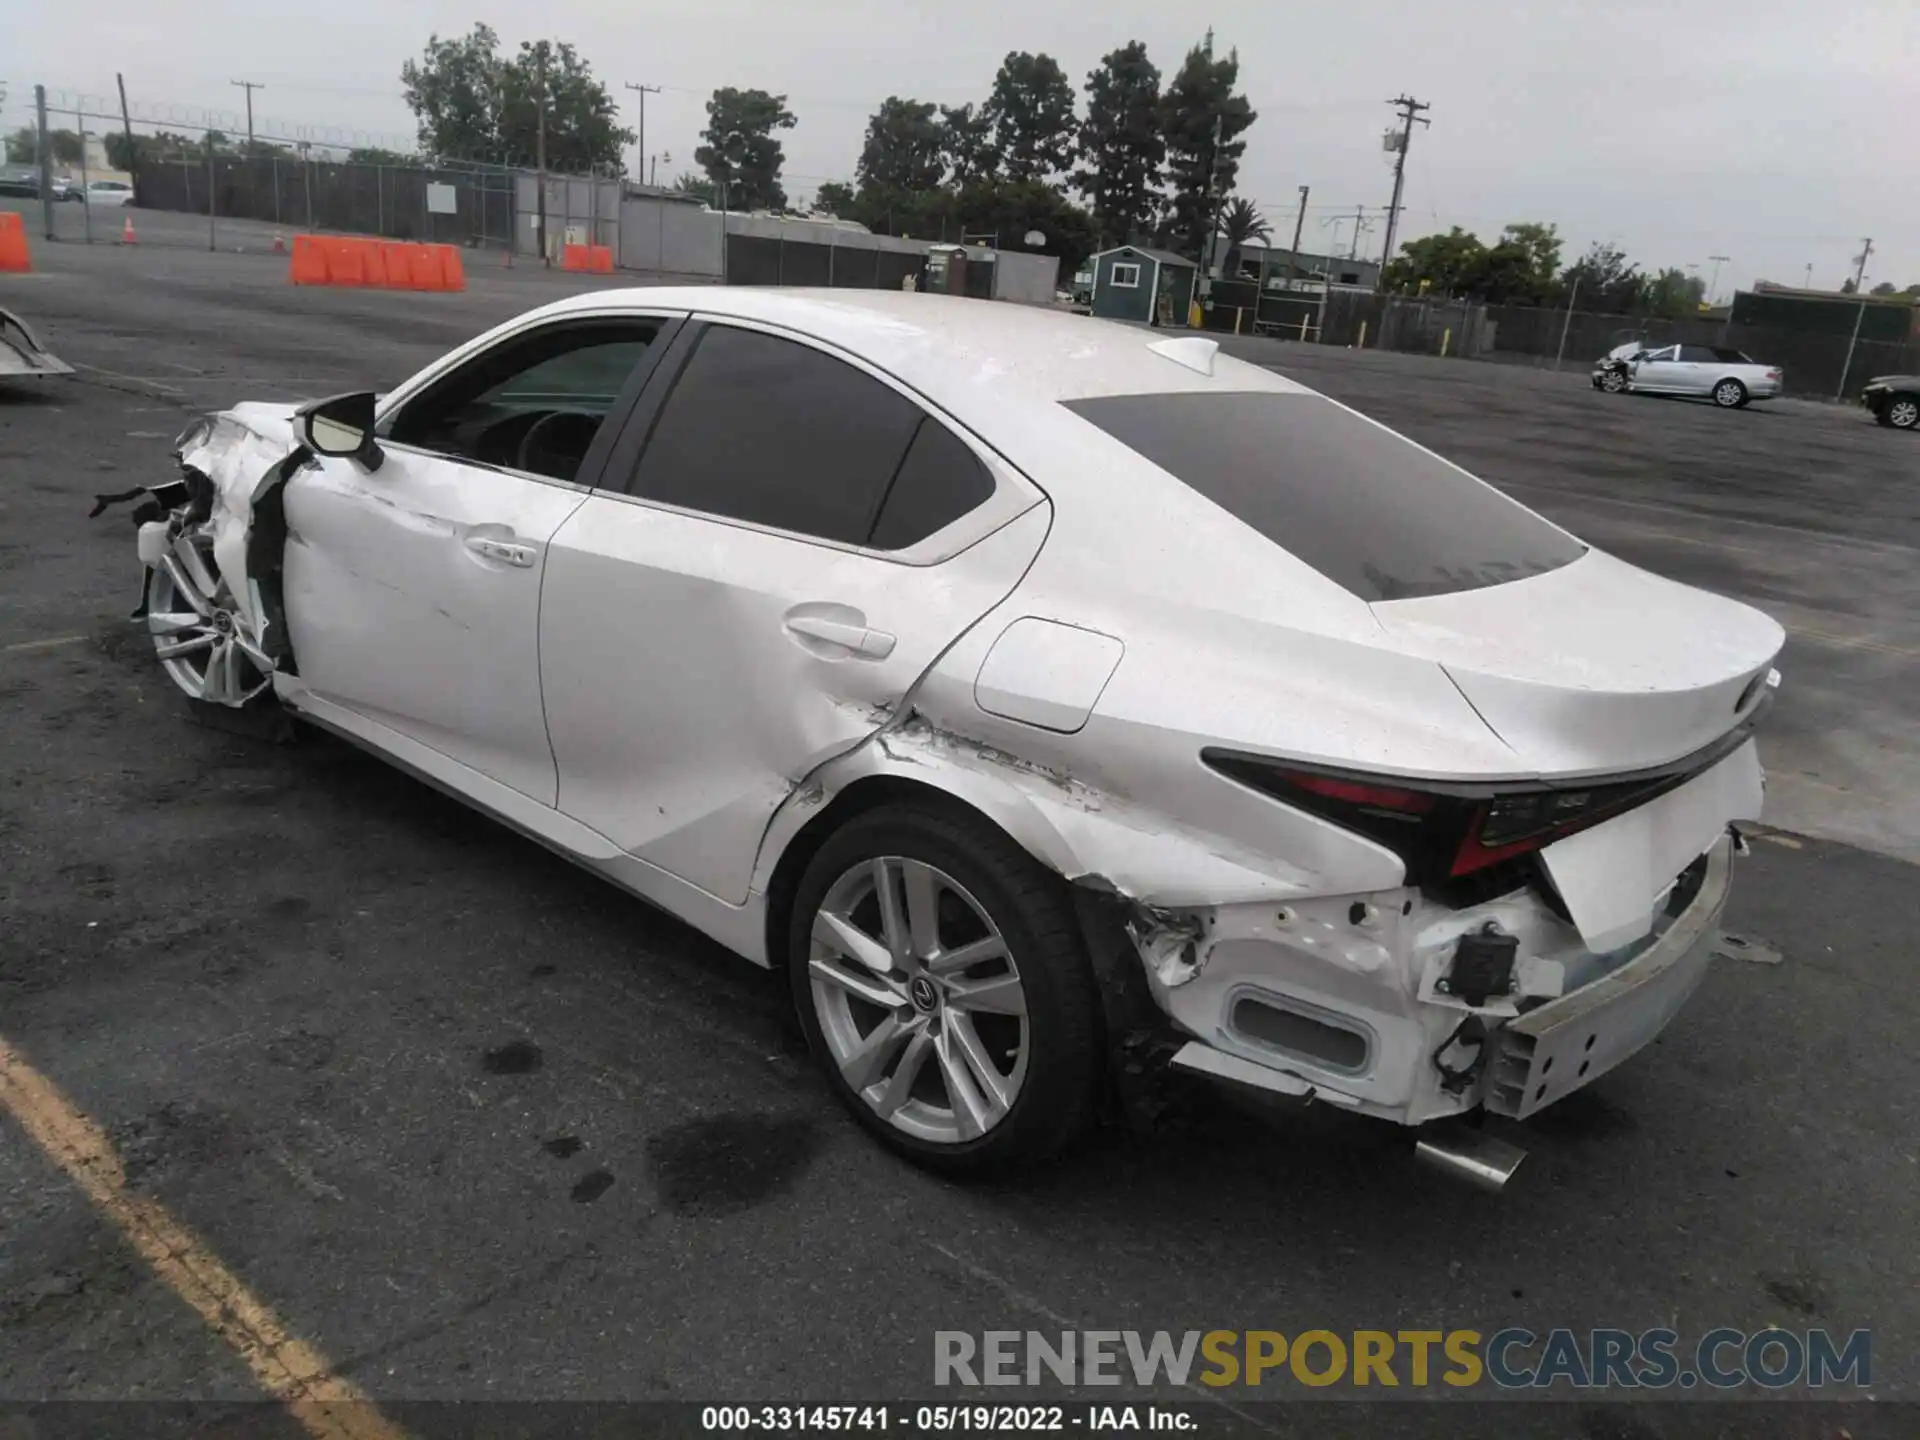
(1149, 287)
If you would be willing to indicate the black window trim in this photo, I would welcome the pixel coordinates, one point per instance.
(593, 466)
(1014, 493)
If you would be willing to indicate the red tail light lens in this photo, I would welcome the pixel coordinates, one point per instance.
(1444, 832)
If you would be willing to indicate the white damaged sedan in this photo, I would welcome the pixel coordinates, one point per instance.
(1057, 704)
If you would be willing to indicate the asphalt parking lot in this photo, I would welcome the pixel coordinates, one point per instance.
(477, 1126)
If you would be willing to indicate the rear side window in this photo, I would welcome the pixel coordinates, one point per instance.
(1732, 357)
(939, 481)
(1371, 511)
(1699, 354)
(769, 431)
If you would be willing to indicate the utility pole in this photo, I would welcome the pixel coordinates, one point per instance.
(1860, 263)
(1293, 255)
(1713, 285)
(126, 127)
(1359, 224)
(1409, 109)
(640, 141)
(1213, 209)
(249, 86)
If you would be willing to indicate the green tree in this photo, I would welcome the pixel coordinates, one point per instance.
(1121, 147)
(1203, 120)
(1438, 264)
(688, 183)
(1241, 223)
(1885, 287)
(836, 198)
(375, 155)
(1031, 112)
(454, 91)
(583, 120)
(1847, 286)
(23, 146)
(473, 103)
(127, 152)
(741, 154)
(1606, 281)
(905, 149)
(1672, 294)
(967, 135)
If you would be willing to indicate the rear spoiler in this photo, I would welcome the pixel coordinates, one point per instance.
(21, 353)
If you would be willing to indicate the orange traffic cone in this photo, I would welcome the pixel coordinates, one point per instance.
(126, 232)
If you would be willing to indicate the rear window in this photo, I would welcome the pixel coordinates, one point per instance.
(1371, 511)
(1733, 357)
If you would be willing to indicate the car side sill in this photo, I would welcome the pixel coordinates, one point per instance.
(741, 928)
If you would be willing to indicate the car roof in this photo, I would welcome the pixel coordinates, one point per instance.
(967, 355)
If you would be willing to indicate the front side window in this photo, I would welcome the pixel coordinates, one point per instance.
(534, 402)
(1368, 509)
(1126, 277)
(1658, 355)
(776, 433)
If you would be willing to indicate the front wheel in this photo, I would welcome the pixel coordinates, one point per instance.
(940, 978)
(1902, 412)
(199, 635)
(1729, 394)
(1613, 382)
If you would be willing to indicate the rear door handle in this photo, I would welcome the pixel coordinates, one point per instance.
(507, 552)
(867, 643)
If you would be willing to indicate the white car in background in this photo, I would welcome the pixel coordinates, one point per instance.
(109, 192)
(1728, 377)
(1030, 690)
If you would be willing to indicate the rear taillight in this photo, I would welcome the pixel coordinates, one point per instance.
(1776, 374)
(1443, 832)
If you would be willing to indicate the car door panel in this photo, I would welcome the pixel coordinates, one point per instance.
(695, 670)
(1658, 371)
(413, 598)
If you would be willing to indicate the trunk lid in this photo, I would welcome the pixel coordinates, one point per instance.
(1595, 667)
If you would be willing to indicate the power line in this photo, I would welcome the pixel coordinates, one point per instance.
(640, 135)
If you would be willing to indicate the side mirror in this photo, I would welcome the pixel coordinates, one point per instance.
(341, 426)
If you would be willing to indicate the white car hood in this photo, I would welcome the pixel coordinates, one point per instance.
(269, 419)
(1595, 667)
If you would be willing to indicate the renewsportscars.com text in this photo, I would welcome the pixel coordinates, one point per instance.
(1510, 1359)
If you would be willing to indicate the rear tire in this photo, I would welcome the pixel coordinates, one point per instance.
(1902, 412)
(972, 1068)
(1730, 394)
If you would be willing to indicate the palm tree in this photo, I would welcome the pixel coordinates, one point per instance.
(1241, 223)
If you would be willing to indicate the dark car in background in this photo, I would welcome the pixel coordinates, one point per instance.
(1894, 400)
(20, 180)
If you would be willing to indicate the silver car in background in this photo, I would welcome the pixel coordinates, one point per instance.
(1728, 377)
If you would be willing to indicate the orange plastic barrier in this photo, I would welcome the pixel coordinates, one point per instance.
(369, 263)
(14, 255)
(309, 265)
(587, 259)
(346, 264)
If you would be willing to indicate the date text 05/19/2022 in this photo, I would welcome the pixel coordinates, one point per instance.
(940, 1419)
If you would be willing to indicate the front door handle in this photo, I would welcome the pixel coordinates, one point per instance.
(506, 551)
(868, 644)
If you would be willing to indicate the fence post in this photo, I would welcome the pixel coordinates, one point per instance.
(276, 188)
(213, 198)
(379, 200)
(1363, 336)
(306, 171)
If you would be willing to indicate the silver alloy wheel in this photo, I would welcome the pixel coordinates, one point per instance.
(200, 639)
(1613, 382)
(907, 968)
(1904, 414)
(1728, 394)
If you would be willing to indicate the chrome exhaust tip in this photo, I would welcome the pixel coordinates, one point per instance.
(1467, 1154)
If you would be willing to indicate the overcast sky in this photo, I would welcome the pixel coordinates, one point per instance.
(1776, 132)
